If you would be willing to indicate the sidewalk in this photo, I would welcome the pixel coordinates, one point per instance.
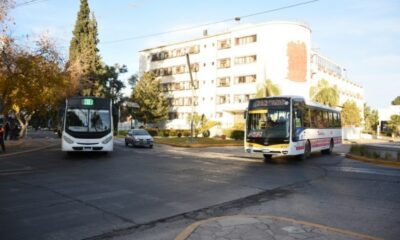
(26, 145)
(264, 227)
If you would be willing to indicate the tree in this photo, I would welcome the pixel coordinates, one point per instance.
(325, 94)
(394, 124)
(32, 81)
(153, 105)
(84, 54)
(267, 89)
(396, 101)
(371, 118)
(112, 87)
(350, 114)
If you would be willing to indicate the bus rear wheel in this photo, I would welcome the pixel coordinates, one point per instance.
(330, 149)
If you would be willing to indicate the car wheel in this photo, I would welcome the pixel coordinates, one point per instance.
(151, 146)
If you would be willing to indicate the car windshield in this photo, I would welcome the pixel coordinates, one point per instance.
(269, 123)
(88, 120)
(139, 132)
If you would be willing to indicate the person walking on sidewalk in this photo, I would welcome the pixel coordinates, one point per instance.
(6, 130)
(1, 138)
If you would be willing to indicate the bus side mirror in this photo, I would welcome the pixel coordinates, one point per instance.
(245, 114)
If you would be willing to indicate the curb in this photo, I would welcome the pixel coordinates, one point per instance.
(373, 161)
(191, 228)
(27, 151)
(200, 145)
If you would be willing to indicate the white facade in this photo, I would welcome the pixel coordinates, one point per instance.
(228, 68)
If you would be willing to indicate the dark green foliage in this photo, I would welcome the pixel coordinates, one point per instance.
(206, 133)
(153, 106)
(237, 134)
(152, 131)
(84, 54)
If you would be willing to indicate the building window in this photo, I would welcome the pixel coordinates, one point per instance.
(222, 99)
(242, 98)
(245, 79)
(245, 59)
(172, 115)
(224, 63)
(218, 115)
(223, 82)
(245, 40)
(224, 44)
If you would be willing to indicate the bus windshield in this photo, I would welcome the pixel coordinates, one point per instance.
(269, 123)
(88, 120)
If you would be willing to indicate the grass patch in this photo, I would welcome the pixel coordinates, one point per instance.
(198, 142)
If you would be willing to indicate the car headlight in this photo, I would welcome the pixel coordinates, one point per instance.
(107, 140)
(68, 140)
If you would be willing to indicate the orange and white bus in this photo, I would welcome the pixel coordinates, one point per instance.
(287, 126)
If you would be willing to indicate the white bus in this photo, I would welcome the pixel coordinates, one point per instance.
(87, 125)
(287, 126)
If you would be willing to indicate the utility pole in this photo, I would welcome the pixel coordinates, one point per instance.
(192, 84)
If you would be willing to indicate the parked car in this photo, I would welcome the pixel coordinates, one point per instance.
(139, 137)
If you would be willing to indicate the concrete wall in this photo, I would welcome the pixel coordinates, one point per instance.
(351, 133)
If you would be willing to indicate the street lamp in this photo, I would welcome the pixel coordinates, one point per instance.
(192, 84)
(132, 106)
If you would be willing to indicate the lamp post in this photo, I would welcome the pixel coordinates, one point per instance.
(132, 106)
(192, 84)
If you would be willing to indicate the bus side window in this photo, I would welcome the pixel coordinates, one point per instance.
(325, 119)
(336, 120)
(306, 118)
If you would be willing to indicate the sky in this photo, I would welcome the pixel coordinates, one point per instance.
(361, 35)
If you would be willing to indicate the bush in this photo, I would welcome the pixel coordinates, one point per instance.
(206, 134)
(237, 134)
(123, 132)
(227, 131)
(186, 133)
(179, 134)
(153, 131)
(164, 133)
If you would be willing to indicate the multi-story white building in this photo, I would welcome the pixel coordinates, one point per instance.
(229, 67)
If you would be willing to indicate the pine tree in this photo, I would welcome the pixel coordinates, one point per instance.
(153, 105)
(83, 52)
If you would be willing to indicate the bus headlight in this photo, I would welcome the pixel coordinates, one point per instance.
(68, 140)
(107, 140)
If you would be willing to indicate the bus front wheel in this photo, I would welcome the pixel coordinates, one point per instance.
(267, 158)
(307, 151)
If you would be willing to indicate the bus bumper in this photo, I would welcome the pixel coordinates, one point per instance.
(70, 144)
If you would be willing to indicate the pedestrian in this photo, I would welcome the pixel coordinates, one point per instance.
(6, 130)
(1, 138)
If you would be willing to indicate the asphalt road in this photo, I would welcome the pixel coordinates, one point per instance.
(140, 193)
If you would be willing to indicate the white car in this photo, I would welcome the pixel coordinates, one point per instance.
(139, 137)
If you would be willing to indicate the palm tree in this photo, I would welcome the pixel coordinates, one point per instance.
(325, 94)
(267, 89)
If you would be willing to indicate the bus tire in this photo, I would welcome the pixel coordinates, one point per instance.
(267, 158)
(307, 151)
(330, 149)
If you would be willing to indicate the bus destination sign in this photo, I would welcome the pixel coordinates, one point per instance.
(269, 102)
(87, 102)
